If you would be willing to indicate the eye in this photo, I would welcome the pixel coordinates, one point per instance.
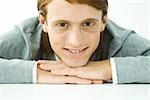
(62, 24)
(88, 23)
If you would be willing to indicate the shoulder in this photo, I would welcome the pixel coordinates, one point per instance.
(126, 41)
(29, 25)
(118, 32)
(24, 37)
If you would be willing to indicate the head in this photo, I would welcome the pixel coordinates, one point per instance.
(74, 27)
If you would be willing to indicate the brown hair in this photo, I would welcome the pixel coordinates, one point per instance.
(98, 4)
(42, 8)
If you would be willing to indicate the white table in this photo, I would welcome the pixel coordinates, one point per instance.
(74, 92)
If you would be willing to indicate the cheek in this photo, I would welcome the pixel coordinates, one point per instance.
(95, 38)
(56, 42)
(95, 41)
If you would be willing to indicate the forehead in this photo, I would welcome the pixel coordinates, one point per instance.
(61, 9)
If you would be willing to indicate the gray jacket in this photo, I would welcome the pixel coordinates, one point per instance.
(130, 51)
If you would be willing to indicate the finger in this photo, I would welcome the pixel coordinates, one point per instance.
(47, 77)
(97, 81)
(64, 71)
(49, 66)
(46, 66)
(43, 61)
(73, 80)
(46, 62)
(77, 73)
(52, 79)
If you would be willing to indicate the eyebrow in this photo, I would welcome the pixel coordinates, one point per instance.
(58, 21)
(93, 19)
(68, 21)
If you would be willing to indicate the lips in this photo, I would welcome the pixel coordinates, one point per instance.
(76, 51)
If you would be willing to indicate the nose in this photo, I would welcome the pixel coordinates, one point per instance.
(75, 38)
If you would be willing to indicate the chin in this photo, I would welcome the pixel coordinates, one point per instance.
(76, 64)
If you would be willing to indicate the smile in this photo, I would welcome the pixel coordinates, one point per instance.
(76, 51)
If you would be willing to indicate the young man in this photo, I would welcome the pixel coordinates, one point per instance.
(82, 47)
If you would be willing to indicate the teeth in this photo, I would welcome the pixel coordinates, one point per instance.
(75, 51)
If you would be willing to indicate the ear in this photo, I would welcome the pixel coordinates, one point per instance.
(43, 22)
(104, 22)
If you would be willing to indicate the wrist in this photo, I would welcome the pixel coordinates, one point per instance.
(34, 78)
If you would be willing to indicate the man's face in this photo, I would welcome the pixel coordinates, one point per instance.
(74, 31)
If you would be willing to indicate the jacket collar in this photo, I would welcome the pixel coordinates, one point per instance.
(119, 35)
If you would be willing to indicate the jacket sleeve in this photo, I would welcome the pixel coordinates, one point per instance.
(16, 71)
(133, 60)
(15, 53)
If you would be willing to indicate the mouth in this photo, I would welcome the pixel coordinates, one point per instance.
(76, 52)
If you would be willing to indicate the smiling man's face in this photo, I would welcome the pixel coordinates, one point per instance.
(74, 31)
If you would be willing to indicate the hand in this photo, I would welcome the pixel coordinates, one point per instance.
(47, 77)
(96, 71)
